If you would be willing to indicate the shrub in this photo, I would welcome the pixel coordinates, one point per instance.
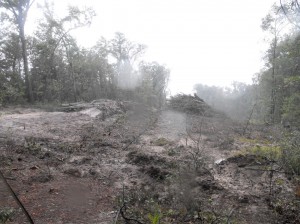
(291, 153)
(5, 215)
(269, 151)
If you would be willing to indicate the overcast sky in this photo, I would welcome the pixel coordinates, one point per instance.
(210, 42)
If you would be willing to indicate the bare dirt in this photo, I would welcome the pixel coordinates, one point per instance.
(80, 166)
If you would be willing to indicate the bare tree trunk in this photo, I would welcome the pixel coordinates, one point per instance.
(74, 81)
(273, 93)
(25, 61)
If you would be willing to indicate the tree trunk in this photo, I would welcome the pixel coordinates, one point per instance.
(273, 93)
(25, 61)
(74, 81)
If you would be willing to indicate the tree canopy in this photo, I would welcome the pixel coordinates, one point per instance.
(49, 65)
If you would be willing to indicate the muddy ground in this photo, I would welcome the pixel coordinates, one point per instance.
(127, 163)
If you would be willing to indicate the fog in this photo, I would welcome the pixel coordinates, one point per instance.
(210, 42)
(163, 111)
(127, 79)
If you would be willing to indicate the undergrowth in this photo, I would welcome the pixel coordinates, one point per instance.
(271, 152)
(291, 153)
(6, 214)
(286, 153)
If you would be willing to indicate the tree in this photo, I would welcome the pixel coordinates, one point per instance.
(62, 71)
(154, 82)
(19, 10)
(236, 101)
(124, 50)
(274, 23)
(287, 80)
(52, 45)
(291, 9)
(290, 73)
(125, 53)
(11, 78)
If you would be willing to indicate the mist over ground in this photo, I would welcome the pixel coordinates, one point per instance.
(184, 36)
(115, 113)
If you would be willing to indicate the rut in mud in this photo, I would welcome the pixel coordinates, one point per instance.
(75, 167)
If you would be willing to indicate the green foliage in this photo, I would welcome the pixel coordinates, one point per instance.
(208, 216)
(32, 146)
(291, 153)
(287, 153)
(61, 71)
(292, 109)
(269, 151)
(154, 218)
(253, 141)
(279, 82)
(6, 214)
(153, 83)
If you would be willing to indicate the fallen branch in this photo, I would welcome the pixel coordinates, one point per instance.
(127, 220)
(16, 199)
(229, 215)
(270, 170)
(117, 217)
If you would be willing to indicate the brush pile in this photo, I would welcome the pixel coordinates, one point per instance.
(192, 105)
(102, 107)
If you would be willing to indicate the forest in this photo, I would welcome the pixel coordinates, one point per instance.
(50, 67)
(92, 135)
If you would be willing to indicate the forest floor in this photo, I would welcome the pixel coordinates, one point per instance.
(129, 164)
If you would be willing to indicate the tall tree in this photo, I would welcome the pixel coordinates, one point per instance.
(274, 24)
(286, 65)
(291, 10)
(126, 53)
(19, 10)
(124, 50)
(53, 43)
(154, 82)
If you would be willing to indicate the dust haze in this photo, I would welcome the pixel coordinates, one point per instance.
(152, 112)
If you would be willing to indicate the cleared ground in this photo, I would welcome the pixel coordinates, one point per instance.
(81, 166)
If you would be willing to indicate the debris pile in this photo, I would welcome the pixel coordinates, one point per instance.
(97, 108)
(192, 105)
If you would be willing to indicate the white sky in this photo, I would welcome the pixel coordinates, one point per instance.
(210, 42)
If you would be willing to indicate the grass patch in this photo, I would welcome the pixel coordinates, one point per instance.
(291, 153)
(287, 154)
(253, 141)
(270, 152)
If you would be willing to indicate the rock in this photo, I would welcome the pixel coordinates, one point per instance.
(79, 160)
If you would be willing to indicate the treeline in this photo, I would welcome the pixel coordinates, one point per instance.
(49, 66)
(235, 101)
(274, 96)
